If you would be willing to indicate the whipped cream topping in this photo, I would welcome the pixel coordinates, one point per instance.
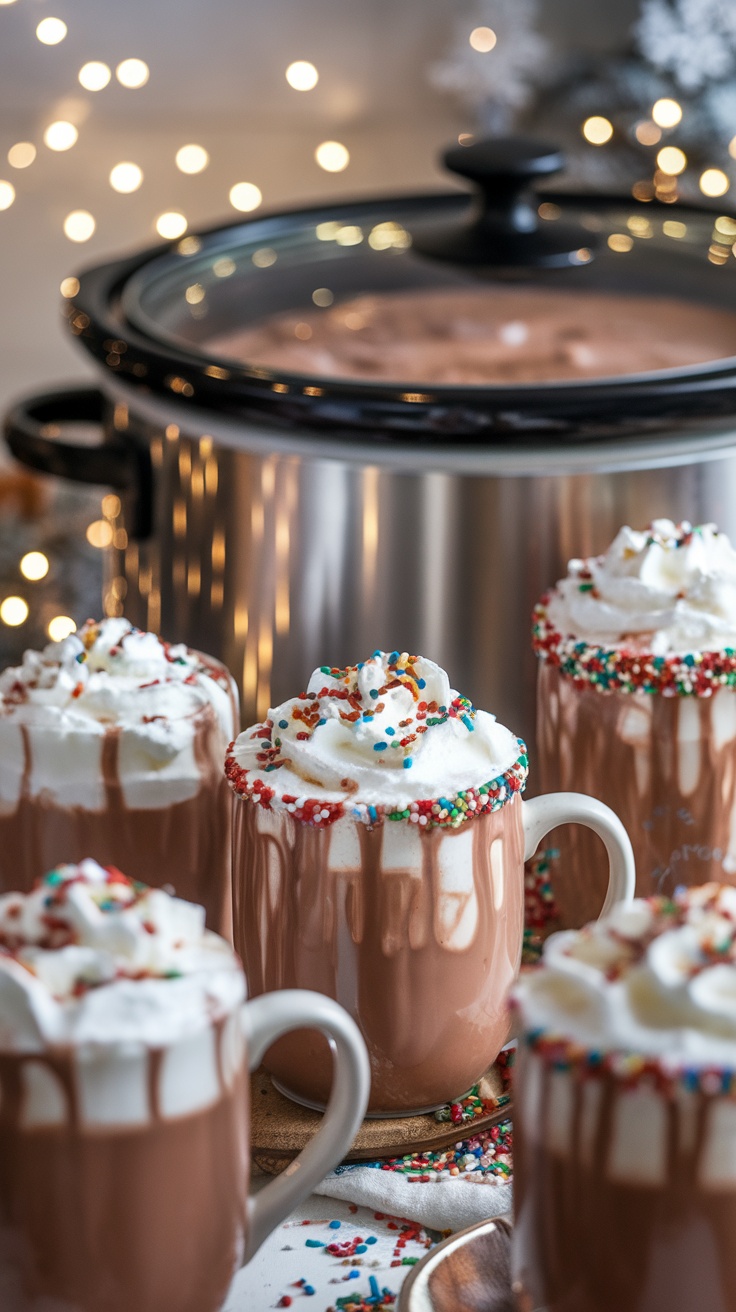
(90, 956)
(656, 978)
(670, 588)
(384, 733)
(110, 675)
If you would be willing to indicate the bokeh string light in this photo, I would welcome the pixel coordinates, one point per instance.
(301, 75)
(7, 194)
(94, 76)
(597, 130)
(126, 177)
(60, 627)
(51, 31)
(483, 39)
(332, 156)
(245, 196)
(22, 154)
(191, 158)
(61, 135)
(34, 566)
(79, 225)
(171, 224)
(132, 73)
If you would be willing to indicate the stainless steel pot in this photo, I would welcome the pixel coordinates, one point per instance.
(282, 522)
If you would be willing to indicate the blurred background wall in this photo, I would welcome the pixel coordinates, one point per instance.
(217, 79)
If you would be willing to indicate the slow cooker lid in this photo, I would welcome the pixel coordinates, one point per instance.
(556, 312)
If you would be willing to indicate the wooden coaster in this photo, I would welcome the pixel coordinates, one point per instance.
(281, 1128)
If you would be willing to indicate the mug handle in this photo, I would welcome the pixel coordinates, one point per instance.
(541, 814)
(266, 1019)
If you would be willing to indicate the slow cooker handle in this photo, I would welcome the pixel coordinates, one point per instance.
(505, 227)
(31, 431)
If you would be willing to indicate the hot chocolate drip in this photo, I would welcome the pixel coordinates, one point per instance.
(592, 1237)
(420, 955)
(116, 1218)
(186, 840)
(665, 765)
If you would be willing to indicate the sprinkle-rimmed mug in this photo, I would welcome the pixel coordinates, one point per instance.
(415, 928)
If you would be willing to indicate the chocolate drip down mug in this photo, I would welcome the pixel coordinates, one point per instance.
(349, 881)
(125, 1046)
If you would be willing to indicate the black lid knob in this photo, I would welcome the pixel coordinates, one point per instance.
(504, 227)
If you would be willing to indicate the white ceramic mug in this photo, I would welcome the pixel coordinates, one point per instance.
(416, 931)
(124, 1170)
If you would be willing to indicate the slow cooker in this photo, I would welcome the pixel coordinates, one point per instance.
(389, 423)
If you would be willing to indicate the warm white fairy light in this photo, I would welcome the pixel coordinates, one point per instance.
(647, 133)
(99, 533)
(14, 611)
(126, 177)
(21, 154)
(51, 31)
(192, 158)
(60, 627)
(132, 73)
(332, 156)
(7, 195)
(597, 130)
(714, 182)
(672, 160)
(69, 287)
(171, 224)
(301, 75)
(245, 196)
(79, 225)
(7, 2)
(34, 566)
(666, 113)
(94, 75)
(60, 135)
(483, 39)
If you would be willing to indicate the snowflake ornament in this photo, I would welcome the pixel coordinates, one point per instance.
(499, 83)
(692, 40)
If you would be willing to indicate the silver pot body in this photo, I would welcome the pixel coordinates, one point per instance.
(278, 554)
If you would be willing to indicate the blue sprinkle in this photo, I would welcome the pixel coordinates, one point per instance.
(465, 719)
(314, 1243)
(368, 715)
(442, 710)
(422, 683)
(394, 656)
(335, 1225)
(391, 732)
(377, 653)
(374, 693)
(408, 763)
(309, 1289)
(379, 747)
(372, 812)
(372, 1239)
(353, 1275)
(375, 1291)
(319, 722)
(361, 1248)
(283, 724)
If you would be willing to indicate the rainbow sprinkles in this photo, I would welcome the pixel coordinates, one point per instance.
(616, 669)
(359, 707)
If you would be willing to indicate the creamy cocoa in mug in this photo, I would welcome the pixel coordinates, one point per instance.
(125, 1044)
(379, 845)
(637, 706)
(625, 1112)
(111, 746)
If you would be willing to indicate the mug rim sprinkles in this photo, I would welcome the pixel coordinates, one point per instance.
(616, 669)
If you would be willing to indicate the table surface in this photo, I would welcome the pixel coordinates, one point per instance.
(296, 1252)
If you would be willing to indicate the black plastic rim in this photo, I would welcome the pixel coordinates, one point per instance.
(488, 416)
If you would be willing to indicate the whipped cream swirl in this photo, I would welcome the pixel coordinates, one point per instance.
(386, 732)
(91, 956)
(668, 589)
(66, 697)
(656, 978)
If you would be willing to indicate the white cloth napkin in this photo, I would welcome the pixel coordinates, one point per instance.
(448, 1203)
